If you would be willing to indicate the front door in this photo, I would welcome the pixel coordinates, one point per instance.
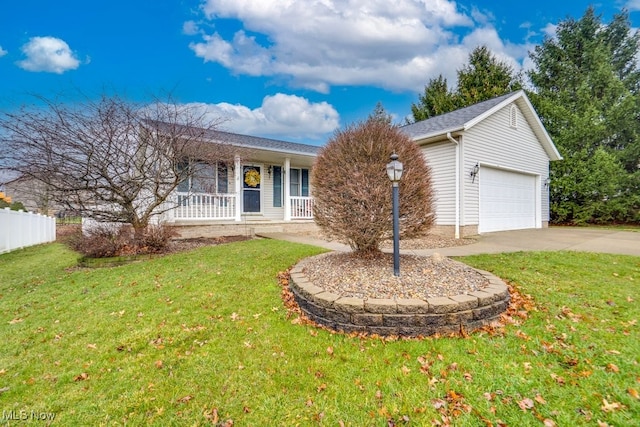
(251, 183)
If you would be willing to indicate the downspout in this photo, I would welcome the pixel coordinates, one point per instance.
(457, 226)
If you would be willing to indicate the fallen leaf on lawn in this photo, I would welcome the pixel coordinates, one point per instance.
(526, 404)
(405, 370)
(16, 320)
(185, 399)
(378, 394)
(158, 364)
(603, 424)
(3, 371)
(613, 352)
(633, 392)
(212, 416)
(527, 367)
(92, 346)
(613, 368)
(322, 387)
(540, 399)
(439, 403)
(330, 351)
(610, 407)
(549, 423)
(468, 376)
(488, 396)
(309, 402)
(558, 379)
(234, 316)
(83, 376)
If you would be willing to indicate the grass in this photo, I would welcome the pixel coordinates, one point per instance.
(201, 338)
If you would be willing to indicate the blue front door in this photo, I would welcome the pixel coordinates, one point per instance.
(251, 183)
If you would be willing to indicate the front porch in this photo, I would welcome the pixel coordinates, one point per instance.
(227, 207)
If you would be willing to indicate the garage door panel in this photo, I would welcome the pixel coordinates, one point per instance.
(507, 200)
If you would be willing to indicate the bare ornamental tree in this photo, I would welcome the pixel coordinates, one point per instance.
(109, 160)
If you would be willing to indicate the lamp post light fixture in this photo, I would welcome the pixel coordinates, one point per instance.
(394, 171)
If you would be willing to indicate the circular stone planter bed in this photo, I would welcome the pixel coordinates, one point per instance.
(400, 316)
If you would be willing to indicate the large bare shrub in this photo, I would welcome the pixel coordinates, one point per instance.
(353, 202)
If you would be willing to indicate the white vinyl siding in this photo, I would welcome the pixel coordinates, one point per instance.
(493, 143)
(268, 210)
(441, 158)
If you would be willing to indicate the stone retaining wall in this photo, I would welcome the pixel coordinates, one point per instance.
(403, 317)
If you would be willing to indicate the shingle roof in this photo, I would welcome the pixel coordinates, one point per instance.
(246, 141)
(453, 121)
(263, 143)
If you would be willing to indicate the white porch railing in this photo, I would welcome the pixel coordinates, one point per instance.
(205, 206)
(20, 229)
(301, 207)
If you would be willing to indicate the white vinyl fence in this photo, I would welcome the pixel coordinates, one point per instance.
(19, 229)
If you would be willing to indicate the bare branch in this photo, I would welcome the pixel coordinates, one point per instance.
(110, 160)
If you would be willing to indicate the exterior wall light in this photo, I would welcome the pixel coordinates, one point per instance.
(474, 172)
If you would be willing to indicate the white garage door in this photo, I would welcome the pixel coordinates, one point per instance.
(507, 200)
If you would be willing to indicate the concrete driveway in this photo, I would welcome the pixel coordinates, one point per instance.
(544, 239)
(549, 239)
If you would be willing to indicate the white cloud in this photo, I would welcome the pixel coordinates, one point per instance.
(632, 5)
(2, 52)
(48, 54)
(280, 115)
(190, 28)
(326, 43)
(550, 30)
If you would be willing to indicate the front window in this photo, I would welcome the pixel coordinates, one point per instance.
(299, 182)
(206, 178)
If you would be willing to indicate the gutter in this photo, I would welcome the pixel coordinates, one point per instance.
(457, 167)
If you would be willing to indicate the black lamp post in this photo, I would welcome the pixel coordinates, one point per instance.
(394, 171)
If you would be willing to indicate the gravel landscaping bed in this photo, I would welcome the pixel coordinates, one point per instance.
(420, 277)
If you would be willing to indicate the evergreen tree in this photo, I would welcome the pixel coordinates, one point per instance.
(380, 114)
(483, 78)
(436, 100)
(587, 87)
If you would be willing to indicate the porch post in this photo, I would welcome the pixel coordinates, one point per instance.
(287, 189)
(237, 178)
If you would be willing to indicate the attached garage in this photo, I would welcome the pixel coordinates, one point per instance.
(507, 200)
(490, 166)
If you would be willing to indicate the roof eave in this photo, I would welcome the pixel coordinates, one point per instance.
(429, 137)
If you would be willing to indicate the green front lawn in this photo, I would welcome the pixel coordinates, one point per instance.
(201, 338)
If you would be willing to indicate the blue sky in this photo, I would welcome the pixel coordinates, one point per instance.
(286, 69)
